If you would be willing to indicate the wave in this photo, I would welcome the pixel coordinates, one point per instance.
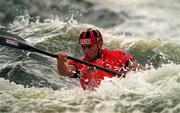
(154, 90)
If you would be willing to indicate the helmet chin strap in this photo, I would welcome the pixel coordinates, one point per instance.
(98, 54)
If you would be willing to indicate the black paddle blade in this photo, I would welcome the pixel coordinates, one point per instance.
(11, 36)
(11, 40)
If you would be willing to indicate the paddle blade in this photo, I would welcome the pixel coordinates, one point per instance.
(11, 40)
(10, 35)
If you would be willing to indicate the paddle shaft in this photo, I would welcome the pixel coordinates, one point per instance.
(7, 41)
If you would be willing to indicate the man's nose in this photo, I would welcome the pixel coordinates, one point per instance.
(86, 49)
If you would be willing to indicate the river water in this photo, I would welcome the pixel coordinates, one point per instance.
(149, 30)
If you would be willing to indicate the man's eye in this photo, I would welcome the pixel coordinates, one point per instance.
(88, 46)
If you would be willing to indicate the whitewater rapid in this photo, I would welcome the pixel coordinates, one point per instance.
(149, 30)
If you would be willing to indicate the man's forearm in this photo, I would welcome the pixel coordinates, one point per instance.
(63, 69)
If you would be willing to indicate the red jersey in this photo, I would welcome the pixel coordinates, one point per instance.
(111, 59)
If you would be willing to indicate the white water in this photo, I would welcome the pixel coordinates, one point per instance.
(155, 90)
(114, 95)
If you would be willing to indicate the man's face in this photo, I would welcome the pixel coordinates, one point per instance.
(90, 51)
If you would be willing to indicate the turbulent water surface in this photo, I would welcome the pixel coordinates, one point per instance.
(149, 30)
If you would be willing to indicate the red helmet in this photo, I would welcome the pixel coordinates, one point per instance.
(90, 36)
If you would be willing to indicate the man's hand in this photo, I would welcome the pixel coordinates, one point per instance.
(62, 57)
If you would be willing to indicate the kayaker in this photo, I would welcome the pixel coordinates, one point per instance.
(91, 42)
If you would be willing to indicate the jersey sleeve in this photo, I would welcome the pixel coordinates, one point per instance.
(70, 62)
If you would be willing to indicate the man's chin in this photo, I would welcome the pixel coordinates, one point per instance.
(87, 57)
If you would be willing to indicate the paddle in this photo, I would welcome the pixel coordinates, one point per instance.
(11, 40)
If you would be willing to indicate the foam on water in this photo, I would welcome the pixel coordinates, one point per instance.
(138, 92)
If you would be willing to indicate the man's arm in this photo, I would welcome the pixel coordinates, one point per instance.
(62, 66)
(134, 66)
(131, 64)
